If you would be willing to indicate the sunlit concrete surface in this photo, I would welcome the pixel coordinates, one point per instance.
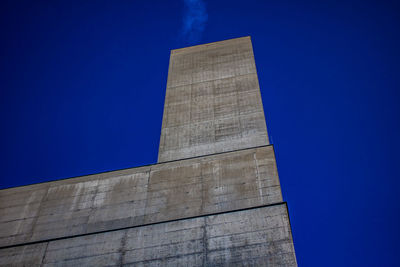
(255, 237)
(213, 198)
(213, 102)
(136, 196)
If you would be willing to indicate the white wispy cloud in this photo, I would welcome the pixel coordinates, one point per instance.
(194, 20)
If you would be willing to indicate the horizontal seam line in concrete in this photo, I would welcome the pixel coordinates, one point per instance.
(147, 165)
(236, 115)
(204, 156)
(212, 80)
(143, 225)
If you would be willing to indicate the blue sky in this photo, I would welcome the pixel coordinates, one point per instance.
(82, 88)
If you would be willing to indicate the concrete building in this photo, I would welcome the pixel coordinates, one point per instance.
(213, 198)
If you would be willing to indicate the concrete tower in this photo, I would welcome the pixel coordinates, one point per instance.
(213, 198)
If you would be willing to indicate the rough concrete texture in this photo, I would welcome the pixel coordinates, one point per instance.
(213, 199)
(137, 196)
(213, 102)
(254, 237)
(29, 255)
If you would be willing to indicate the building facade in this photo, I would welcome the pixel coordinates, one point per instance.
(213, 198)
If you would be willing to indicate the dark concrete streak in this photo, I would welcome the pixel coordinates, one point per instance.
(122, 249)
(44, 254)
(35, 219)
(147, 192)
(205, 243)
(92, 207)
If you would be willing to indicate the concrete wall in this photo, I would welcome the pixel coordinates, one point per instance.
(213, 102)
(218, 208)
(254, 237)
(137, 196)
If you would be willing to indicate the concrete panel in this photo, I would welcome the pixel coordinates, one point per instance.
(254, 237)
(155, 193)
(211, 184)
(92, 250)
(212, 92)
(19, 209)
(178, 243)
(29, 255)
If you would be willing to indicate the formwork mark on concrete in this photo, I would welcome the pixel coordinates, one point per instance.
(258, 177)
(44, 254)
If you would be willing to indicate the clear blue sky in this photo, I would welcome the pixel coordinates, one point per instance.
(82, 87)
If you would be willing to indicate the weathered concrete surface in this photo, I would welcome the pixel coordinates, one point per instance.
(213, 102)
(178, 213)
(29, 255)
(136, 196)
(255, 237)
